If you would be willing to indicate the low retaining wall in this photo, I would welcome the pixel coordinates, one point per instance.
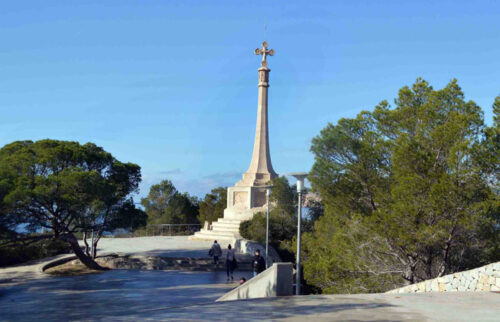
(277, 280)
(486, 278)
(117, 261)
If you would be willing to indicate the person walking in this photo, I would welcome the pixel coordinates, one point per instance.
(215, 251)
(230, 262)
(258, 263)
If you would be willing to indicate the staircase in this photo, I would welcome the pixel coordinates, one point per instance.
(223, 229)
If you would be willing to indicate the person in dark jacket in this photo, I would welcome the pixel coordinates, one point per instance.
(215, 251)
(258, 263)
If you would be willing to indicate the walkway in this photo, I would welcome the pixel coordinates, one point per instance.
(480, 306)
(127, 295)
(26, 294)
(163, 246)
(116, 295)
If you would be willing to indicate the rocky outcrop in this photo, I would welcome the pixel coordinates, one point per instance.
(485, 278)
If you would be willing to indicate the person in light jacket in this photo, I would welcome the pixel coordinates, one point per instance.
(216, 252)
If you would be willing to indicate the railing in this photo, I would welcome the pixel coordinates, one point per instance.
(158, 230)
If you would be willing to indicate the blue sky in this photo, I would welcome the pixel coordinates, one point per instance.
(171, 85)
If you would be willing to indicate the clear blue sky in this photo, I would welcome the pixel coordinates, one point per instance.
(171, 85)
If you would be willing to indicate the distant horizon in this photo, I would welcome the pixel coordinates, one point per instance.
(173, 88)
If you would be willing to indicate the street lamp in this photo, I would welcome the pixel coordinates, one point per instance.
(268, 194)
(300, 176)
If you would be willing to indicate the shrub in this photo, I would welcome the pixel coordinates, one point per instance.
(13, 255)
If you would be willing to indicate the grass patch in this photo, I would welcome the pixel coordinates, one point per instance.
(73, 268)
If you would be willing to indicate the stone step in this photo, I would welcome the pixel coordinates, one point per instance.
(226, 229)
(223, 222)
(216, 235)
(211, 234)
(219, 232)
(231, 229)
(228, 220)
(217, 225)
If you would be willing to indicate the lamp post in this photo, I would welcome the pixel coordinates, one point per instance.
(300, 176)
(268, 194)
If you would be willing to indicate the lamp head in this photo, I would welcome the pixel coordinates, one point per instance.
(300, 176)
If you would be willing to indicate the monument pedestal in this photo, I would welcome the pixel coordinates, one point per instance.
(242, 204)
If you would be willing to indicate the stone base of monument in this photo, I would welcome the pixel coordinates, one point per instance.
(242, 204)
(224, 229)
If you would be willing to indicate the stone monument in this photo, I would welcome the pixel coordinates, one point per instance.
(248, 196)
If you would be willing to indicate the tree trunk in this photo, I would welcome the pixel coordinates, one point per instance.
(86, 260)
(86, 244)
(94, 246)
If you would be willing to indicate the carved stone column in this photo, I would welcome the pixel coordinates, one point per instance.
(261, 171)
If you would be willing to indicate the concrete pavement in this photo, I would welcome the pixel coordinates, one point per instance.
(118, 295)
(132, 295)
(480, 306)
(162, 246)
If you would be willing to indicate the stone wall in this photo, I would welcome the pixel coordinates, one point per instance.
(277, 280)
(486, 278)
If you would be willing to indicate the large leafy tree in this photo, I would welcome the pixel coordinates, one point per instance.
(213, 205)
(64, 188)
(409, 193)
(165, 205)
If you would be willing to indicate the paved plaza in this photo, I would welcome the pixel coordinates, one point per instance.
(480, 306)
(162, 246)
(128, 295)
(117, 294)
(26, 293)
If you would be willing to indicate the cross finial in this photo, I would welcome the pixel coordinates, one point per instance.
(264, 52)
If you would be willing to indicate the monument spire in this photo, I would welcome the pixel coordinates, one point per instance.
(248, 196)
(261, 170)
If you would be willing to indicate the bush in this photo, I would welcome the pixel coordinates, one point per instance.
(13, 255)
(244, 229)
(282, 226)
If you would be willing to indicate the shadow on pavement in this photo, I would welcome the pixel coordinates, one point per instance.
(264, 309)
(112, 294)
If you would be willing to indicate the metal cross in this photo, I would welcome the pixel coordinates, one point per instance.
(264, 51)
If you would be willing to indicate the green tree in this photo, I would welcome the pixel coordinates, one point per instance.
(213, 205)
(406, 193)
(282, 217)
(165, 205)
(65, 188)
